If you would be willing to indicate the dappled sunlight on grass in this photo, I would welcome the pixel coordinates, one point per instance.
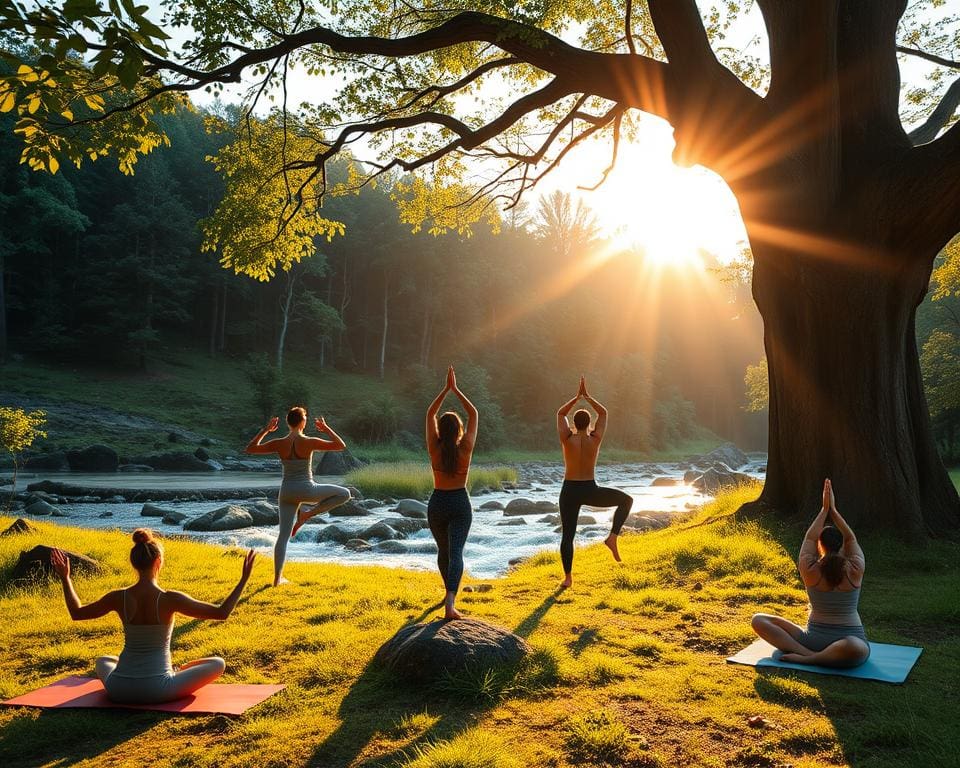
(629, 661)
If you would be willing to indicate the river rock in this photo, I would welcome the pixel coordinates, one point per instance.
(354, 492)
(263, 512)
(424, 653)
(19, 526)
(371, 503)
(357, 545)
(334, 533)
(173, 517)
(201, 453)
(135, 468)
(513, 521)
(492, 504)
(351, 508)
(729, 454)
(174, 461)
(34, 564)
(391, 547)
(412, 508)
(152, 510)
(380, 531)
(108, 513)
(520, 507)
(40, 507)
(42, 496)
(406, 525)
(95, 458)
(690, 475)
(659, 482)
(337, 463)
(550, 519)
(586, 520)
(713, 481)
(216, 466)
(226, 518)
(54, 462)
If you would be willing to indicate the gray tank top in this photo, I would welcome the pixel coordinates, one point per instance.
(295, 469)
(834, 607)
(146, 647)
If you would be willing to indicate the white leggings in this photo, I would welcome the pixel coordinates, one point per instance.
(292, 495)
(157, 689)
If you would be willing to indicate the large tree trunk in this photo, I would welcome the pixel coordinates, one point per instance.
(846, 394)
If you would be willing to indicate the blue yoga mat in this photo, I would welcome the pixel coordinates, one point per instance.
(887, 663)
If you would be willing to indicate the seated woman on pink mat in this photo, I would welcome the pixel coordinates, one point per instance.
(143, 673)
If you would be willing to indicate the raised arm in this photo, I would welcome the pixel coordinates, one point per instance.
(79, 611)
(256, 447)
(851, 547)
(563, 426)
(473, 415)
(809, 556)
(197, 609)
(431, 431)
(601, 426)
(335, 443)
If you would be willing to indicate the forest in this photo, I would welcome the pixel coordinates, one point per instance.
(107, 269)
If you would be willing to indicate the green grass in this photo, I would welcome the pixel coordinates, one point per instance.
(409, 480)
(955, 476)
(627, 666)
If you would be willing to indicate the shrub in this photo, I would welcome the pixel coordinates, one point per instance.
(598, 738)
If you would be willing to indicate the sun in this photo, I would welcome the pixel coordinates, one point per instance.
(670, 217)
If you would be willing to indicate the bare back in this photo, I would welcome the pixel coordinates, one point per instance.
(580, 451)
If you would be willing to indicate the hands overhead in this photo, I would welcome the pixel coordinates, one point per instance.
(451, 379)
(274, 423)
(582, 391)
(829, 502)
(60, 563)
(321, 424)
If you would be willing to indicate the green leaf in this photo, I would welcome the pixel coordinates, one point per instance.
(129, 70)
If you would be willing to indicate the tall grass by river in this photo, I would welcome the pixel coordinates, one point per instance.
(412, 480)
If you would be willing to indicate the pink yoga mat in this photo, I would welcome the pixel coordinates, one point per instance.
(88, 692)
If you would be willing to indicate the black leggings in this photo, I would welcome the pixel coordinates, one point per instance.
(449, 514)
(573, 495)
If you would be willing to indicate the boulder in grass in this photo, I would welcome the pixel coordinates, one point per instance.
(336, 534)
(380, 531)
(20, 526)
(406, 525)
(152, 510)
(337, 463)
(95, 458)
(352, 508)
(492, 504)
(173, 518)
(34, 564)
(40, 508)
(425, 653)
(412, 508)
(227, 518)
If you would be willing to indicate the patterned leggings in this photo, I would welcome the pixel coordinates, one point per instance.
(450, 515)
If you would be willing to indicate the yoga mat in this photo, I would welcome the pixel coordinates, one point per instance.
(887, 663)
(88, 692)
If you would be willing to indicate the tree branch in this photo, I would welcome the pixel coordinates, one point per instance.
(682, 34)
(939, 117)
(932, 57)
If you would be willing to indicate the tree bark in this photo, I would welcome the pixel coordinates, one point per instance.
(285, 308)
(3, 315)
(846, 394)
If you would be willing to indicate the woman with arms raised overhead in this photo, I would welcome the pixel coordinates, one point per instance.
(295, 450)
(449, 512)
(831, 566)
(143, 673)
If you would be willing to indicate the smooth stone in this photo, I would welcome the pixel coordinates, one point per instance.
(108, 513)
(586, 520)
(412, 508)
(263, 513)
(370, 503)
(513, 521)
(55, 461)
(492, 504)
(94, 458)
(391, 547)
(40, 508)
(174, 461)
(351, 508)
(550, 519)
(202, 454)
(406, 524)
(520, 507)
(663, 481)
(226, 518)
(423, 653)
(152, 510)
(713, 481)
(380, 531)
(337, 463)
(173, 517)
(357, 545)
(334, 533)
(135, 468)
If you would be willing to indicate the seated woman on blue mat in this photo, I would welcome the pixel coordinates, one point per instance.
(143, 673)
(831, 565)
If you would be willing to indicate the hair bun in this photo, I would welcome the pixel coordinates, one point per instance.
(142, 536)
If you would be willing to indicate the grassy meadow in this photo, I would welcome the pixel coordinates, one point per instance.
(627, 670)
(415, 480)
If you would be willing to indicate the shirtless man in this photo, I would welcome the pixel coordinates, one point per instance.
(580, 448)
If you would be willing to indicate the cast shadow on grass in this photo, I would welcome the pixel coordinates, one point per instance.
(376, 706)
(65, 737)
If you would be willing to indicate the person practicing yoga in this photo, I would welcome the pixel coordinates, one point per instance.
(580, 449)
(831, 566)
(295, 450)
(143, 673)
(449, 513)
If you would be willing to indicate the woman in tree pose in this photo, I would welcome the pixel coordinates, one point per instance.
(831, 565)
(449, 512)
(295, 450)
(143, 673)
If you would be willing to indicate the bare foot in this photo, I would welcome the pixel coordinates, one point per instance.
(451, 613)
(611, 542)
(794, 658)
(281, 580)
(567, 582)
(299, 524)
